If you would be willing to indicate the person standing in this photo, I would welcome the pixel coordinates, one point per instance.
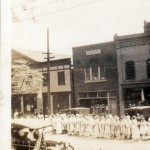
(135, 129)
(16, 114)
(102, 126)
(128, 127)
(107, 127)
(71, 124)
(77, 124)
(96, 127)
(58, 124)
(41, 115)
(148, 126)
(117, 127)
(83, 125)
(35, 113)
(143, 128)
(112, 126)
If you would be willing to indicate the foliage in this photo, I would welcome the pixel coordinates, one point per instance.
(24, 79)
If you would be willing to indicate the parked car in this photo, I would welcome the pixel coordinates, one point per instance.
(142, 110)
(77, 110)
(27, 136)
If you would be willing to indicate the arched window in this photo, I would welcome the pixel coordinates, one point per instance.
(130, 70)
(148, 68)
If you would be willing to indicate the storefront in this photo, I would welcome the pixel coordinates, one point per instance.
(136, 94)
(100, 102)
(24, 104)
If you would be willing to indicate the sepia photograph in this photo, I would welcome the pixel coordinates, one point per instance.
(75, 75)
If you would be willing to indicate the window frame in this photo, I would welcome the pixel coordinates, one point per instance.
(130, 73)
(60, 83)
(90, 76)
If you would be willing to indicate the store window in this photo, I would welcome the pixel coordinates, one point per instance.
(61, 78)
(130, 70)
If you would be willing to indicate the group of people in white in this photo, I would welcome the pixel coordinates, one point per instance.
(107, 126)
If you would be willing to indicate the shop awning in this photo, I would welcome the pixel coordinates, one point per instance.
(140, 84)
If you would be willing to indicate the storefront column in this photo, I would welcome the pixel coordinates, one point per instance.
(108, 103)
(52, 107)
(39, 101)
(22, 105)
(69, 100)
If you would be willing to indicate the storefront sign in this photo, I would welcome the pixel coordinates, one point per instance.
(93, 52)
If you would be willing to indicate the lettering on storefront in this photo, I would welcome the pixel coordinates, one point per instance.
(93, 52)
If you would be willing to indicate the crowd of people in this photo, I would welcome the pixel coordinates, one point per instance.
(107, 126)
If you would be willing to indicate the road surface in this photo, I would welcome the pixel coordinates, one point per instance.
(89, 143)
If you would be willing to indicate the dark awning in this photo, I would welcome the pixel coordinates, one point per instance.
(136, 84)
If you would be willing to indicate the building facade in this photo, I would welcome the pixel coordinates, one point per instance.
(61, 93)
(60, 87)
(133, 57)
(95, 77)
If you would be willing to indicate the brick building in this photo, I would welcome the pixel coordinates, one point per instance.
(133, 57)
(95, 77)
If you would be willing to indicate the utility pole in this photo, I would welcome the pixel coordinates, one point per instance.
(50, 104)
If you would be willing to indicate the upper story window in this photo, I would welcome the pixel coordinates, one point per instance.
(95, 73)
(61, 78)
(148, 68)
(130, 70)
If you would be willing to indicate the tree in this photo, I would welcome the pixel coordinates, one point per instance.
(24, 79)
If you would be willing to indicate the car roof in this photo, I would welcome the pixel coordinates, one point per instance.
(137, 108)
(28, 123)
(76, 109)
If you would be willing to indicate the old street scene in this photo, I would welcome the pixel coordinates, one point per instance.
(80, 75)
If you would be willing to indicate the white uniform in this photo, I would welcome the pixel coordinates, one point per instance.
(148, 127)
(135, 130)
(96, 128)
(107, 128)
(58, 125)
(128, 128)
(143, 127)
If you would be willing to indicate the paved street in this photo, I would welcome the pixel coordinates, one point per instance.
(86, 143)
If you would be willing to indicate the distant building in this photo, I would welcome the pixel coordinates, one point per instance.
(60, 84)
(60, 87)
(96, 77)
(133, 57)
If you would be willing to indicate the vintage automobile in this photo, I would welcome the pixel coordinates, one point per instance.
(142, 110)
(27, 136)
(77, 110)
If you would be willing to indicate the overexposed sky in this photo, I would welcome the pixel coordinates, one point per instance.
(74, 23)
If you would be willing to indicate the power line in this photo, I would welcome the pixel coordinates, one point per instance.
(60, 10)
(31, 2)
(25, 8)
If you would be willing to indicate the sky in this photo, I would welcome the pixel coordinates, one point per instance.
(73, 23)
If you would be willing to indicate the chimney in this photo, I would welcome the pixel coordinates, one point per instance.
(146, 27)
